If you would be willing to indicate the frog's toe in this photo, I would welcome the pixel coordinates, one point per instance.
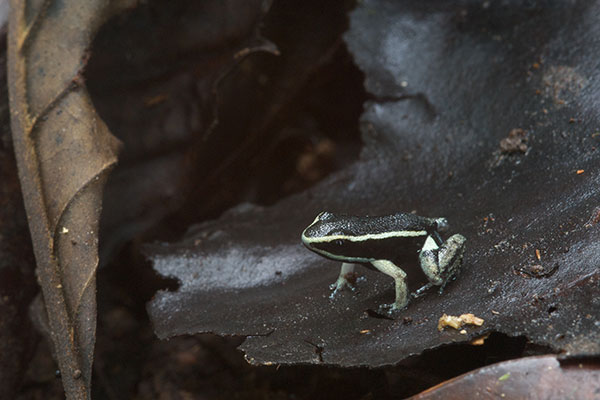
(339, 285)
(387, 309)
(447, 279)
(391, 308)
(333, 293)
(421, 291)
(336, 290)
(345, 281)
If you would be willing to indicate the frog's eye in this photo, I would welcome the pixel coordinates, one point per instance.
(339, 242)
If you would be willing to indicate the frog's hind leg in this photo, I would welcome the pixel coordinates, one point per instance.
(342, 281)
(391, 269)
(451, 257)
(441, 263)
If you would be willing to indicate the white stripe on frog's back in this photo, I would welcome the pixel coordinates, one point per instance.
(362, 238)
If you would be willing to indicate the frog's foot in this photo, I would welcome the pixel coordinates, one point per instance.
(341, 284)
(346, 279)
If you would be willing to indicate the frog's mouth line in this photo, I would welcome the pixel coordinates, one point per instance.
(308, 243)
(332, 256)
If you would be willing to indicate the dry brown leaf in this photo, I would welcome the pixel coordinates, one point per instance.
(541, 377)
(17, 283)
(64, 152)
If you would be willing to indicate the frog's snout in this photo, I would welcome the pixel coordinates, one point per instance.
(305, 240)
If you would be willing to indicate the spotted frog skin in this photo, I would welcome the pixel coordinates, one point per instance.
(380, 242)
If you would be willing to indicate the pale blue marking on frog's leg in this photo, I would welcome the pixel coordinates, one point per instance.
(430, 264)
(391, 269)
(342, 280)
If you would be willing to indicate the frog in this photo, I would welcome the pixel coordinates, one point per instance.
(381, 243)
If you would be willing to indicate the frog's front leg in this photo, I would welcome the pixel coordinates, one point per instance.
(342, 282)
(441, 261)
(391, 269)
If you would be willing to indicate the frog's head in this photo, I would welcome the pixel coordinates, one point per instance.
(332, 236)
(319, 228)
(324, 226)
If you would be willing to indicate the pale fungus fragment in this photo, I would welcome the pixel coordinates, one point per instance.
(457, 322)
